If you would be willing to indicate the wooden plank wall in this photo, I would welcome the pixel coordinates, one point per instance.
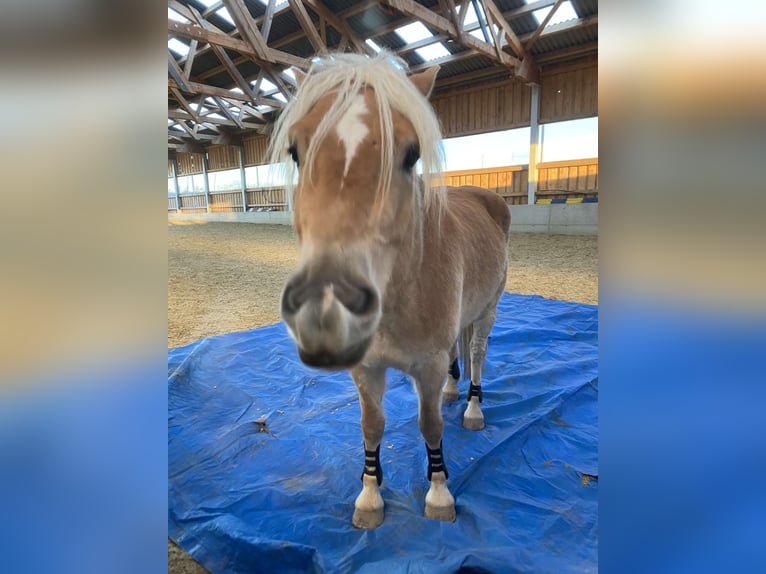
(274, 198)
(483, 108)
(256, 149)
(572, 178)
(509, 182)
(556, 179)
(189, 163)
(222, 157)
(193, 203)
(569, 90)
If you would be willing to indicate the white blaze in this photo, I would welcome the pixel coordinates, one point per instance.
(352, 130)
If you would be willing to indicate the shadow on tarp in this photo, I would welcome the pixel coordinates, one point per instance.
(265, 455)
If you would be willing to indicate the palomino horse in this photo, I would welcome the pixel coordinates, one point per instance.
(396, 271)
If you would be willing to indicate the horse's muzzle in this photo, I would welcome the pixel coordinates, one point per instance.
(336, 361)
(331, 314)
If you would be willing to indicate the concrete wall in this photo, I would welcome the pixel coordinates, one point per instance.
(272, 217)
(566, 219)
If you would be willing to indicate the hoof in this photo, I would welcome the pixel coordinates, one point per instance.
(450, 396)
(367, 519)
(473, 423)
(443, 513)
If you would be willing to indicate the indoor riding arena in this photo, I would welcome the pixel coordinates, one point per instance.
(264, 452)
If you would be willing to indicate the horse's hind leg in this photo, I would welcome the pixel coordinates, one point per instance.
(451, 391)
(368, 507)
(429, 379)
(473, 419)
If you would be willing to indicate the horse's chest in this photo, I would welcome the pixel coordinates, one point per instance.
(389, 351)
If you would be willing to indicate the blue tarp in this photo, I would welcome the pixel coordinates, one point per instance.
(265, 454)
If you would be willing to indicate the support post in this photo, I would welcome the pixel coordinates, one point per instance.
(205, 181)
(534, 139)
(289, 197)
(174, 163)
(243, 183)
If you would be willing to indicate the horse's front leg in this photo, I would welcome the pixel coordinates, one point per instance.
(371, 384)
(429, 377)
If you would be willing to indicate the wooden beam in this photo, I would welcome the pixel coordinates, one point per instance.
(340, 25)
(227, 112)
(197, 88)
(307, 25)
(178, 115)
(225, 41)
(190, 59)
(411, 8)
(564, 27)
(496, 70)
(246, 26)
(575, 51)
(176, 73)
(541, 27)
(445, 60)
(513, 41)
(223, 57)
(184, 104)
(268, 17)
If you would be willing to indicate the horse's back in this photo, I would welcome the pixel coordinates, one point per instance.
(464, 199)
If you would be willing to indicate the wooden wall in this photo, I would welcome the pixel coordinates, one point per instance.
(560, 179)
(509, 182)
(483, 108)
(569, 90)
(256, 148)
(222, 157)
(189, 163)
(555, 179)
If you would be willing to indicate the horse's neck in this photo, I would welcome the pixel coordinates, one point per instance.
(409, 259)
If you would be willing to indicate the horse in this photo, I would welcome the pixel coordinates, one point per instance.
(395, 269)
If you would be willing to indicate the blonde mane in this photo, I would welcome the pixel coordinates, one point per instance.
(348, 74)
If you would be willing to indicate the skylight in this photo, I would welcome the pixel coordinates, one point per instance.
(170, 122)
(289, 73)
(267, 86)
(564, 13)
(237, 90)
(280, 97)
(175, 16)
(372, 44)
(224, 13)
(216, 116)
(432, 52)
(277, 5)
(178, 47)
(471, 17)
(414, 32)
(208, 3)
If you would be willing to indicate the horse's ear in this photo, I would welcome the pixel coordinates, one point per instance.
(424, 81)
(300, 75)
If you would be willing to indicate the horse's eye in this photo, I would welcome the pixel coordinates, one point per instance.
(411, 156)
(294, 154)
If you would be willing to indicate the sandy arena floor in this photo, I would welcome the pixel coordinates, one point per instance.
(225, 277)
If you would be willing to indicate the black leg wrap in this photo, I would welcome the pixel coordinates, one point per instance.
(436, 461)
(454, 370)
(372, 464)
(475, 391)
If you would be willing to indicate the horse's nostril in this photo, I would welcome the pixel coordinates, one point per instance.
(364, 302)
(290, 302)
